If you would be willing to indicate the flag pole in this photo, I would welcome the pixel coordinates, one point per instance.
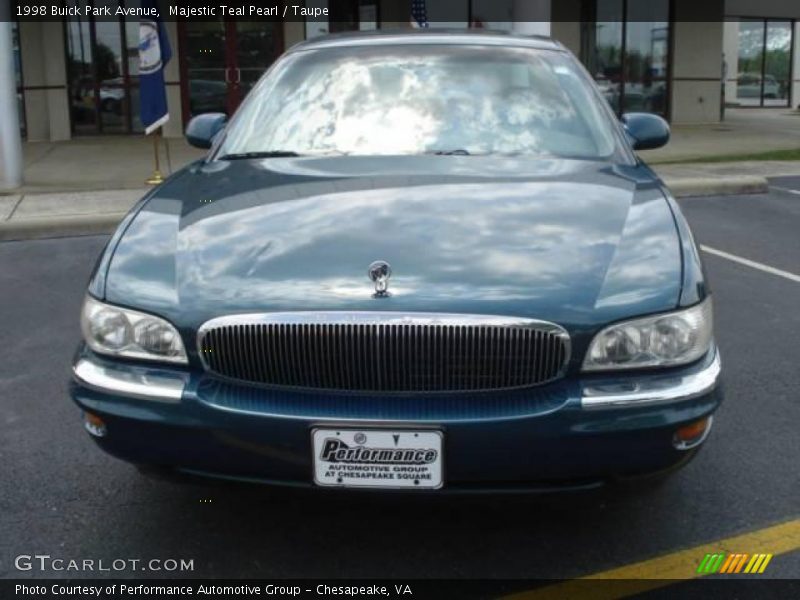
(154, 54)
(156, 178)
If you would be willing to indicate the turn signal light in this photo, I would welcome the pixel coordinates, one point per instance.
(693, 434)
(94, 425)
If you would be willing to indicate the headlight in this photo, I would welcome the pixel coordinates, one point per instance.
(127, 333)
(665, 340)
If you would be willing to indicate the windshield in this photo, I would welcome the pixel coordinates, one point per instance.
(423, 99)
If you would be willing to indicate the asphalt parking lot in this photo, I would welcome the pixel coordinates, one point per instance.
(61, 496)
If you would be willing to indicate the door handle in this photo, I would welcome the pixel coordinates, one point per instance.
(227, 75)
(238, 75)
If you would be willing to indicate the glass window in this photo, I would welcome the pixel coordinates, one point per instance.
(605, 58)
(109, 75)
(224, 59)
(256, 46)
(646, 57)
(103, 70)
(626, 49)
(765, 59)
(80, 72)
(206, 66)
(343, 15)
(132, 57)
(401, 100)
(778, 63)
(751, 58)
(368, 15)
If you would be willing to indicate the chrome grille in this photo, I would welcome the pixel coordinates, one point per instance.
(387, 352)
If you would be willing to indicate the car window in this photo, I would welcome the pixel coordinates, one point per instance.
(395, 100)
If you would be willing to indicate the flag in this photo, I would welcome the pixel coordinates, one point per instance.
(419, 16)
(154, 53)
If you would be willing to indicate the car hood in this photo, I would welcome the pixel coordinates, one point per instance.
(579, 243)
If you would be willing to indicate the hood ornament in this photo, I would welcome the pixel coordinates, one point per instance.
(379, 272)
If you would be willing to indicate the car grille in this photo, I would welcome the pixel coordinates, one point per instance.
(386, 352)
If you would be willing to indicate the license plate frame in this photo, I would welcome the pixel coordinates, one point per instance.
(377, 458)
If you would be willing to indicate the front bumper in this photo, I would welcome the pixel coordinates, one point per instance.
(572, 433)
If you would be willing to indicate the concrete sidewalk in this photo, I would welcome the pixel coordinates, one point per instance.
(32, 216)
(744, 131)
(100, 163)
(39, 215)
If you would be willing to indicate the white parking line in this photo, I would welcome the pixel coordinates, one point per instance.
(787, 190)
(752, 263)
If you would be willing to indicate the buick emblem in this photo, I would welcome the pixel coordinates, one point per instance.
(360, 438)
(379, 272)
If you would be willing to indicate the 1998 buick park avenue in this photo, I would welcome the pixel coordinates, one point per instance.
(424, 260)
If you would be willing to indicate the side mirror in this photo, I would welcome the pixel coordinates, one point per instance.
(201, 129)
(647, 131)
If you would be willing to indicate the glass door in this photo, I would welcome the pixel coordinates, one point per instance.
(646, 57)
(603, 49)
(256, 47)
(206, 67)
(625, 47)
(102, 71)
(223, 60)
(109, 78)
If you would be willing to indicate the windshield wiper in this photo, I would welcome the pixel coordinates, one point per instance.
(457, 152)
(258, 154)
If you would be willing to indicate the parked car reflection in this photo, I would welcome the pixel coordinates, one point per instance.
(748, 85)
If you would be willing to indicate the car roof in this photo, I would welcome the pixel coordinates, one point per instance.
(395, 37)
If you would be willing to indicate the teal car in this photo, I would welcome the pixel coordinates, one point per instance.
(422, 261)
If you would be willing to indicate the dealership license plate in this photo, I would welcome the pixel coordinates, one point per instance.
(377, 458)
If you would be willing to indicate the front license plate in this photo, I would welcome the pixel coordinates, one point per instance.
(377, 458)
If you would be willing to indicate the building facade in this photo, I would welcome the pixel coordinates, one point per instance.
(679, 58)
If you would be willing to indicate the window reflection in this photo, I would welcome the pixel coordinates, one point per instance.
(423, 100)
(131, 25)
(605, 54)
(206, 66)
(81, 75)
(102, 70)
(225, 59)
(751, 48)
(256, 44)
(108, 72)
(646, 55)
(626, 50)
(764, 73)
(777, 63)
